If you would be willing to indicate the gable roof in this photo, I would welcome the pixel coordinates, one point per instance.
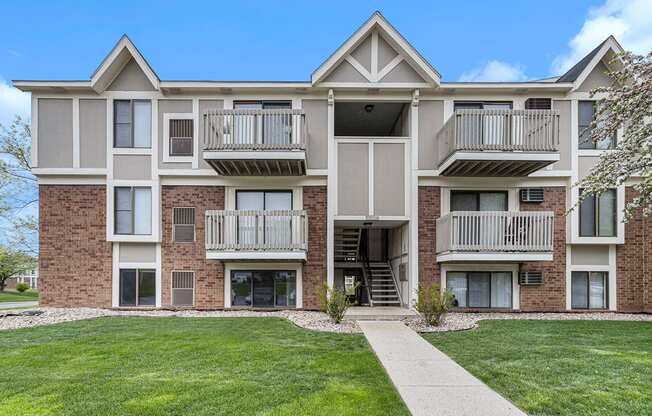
(377, 21)
(578, 73)
(111, 66)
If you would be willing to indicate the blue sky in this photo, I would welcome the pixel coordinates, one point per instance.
(287, 40)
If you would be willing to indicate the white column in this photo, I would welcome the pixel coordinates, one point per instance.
(331, 194)
(413, 258)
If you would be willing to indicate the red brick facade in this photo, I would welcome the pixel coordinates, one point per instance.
(75, 260)
(429, 210)
(551, 295)
(209, 274)
(634, 263)
(314, 270)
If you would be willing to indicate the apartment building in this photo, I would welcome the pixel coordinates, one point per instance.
(372, 176)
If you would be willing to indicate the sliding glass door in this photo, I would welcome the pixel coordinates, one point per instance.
(264, 288)
(269, 229)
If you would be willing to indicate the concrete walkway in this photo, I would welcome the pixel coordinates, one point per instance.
(429, 382)
(12, 305)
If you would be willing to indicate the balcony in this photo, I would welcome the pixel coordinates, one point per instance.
(495, 236)
(256, 235)
(498, 142)
(255, 142)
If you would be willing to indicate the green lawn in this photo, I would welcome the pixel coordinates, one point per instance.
(10, 295)
(190, 366)
(560, 367)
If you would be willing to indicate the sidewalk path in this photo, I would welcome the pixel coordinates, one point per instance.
(429, 382)
(12, 305)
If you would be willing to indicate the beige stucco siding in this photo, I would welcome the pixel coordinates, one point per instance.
(564, 108)
(353, 179)
(582, 255)
(137, 253)
(132, 78)
(92, 133)
(389, 179)
(136, 167)
(171, 106)
(431, 119)
(205, 105)
(54, 133)
(317, 128)
(596, 78)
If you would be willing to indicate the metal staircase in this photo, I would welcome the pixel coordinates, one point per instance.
(384, 288)
(347, 245)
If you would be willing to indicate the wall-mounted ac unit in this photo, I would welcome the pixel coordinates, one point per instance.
(530, 278)
(532, 195)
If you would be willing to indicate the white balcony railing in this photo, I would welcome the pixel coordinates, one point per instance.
(495, 231)
(251, 130)
(499, 130)
(256, 230)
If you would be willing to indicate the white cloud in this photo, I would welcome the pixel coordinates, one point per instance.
(495, 71)
(12, 102)
(630, 21)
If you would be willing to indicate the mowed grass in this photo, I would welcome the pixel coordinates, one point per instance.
(190, 366)
(10, 295)
(560, 367)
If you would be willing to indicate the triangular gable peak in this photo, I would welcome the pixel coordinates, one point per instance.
(597, 66)
(376, 54)
(124, 53)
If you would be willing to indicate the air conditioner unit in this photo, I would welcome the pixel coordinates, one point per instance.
(530, 278)
(532, 195)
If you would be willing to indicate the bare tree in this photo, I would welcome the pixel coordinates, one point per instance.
(626, 105)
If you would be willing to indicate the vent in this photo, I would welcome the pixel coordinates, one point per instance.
(538, 104)
(532, 195)
(530, 278)
(183, 225)
(183, 288)
(181, 132)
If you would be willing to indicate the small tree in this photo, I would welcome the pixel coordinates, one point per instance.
(12, 263)
(626, 105)
(432, 303)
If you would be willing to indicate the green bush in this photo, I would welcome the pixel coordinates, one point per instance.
(334, 302)
(22, 286)
(432, 303)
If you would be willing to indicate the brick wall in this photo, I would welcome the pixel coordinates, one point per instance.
(75, 260)
(429, 210)
(314, 270)
(551, 295)
(209, 274)
(634, 263)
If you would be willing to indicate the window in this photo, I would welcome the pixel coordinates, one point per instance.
(273, 228)
(183, 225)
(480, 289)
(181, 137)
(264, 288)
(183, 288)
(132, 123)
(133, 210)
(589, 290)
(586, 112)
(598, 215)
(137, 287)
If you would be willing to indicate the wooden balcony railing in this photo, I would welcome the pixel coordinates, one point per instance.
(256, 230)
(495, 231)
(499, 130)
(252, 130)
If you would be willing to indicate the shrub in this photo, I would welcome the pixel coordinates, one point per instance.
(432, 303)
(334, 302)
(22, 286)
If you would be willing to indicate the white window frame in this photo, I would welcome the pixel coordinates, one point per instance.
(166, 137)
